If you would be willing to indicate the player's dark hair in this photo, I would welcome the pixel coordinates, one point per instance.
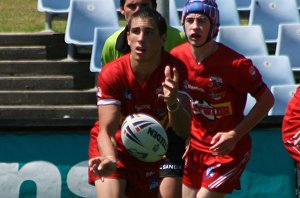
(149, 13)
(154, 4)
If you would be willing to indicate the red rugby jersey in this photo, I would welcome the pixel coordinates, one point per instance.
(291, 125)
(118, 85)
(218, 86)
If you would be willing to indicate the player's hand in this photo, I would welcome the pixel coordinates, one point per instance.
(170, 86)
(223, 143)
(102, 166)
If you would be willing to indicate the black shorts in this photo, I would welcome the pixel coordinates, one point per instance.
(173, 165)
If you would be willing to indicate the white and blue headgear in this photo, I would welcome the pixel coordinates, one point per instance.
(206, 7)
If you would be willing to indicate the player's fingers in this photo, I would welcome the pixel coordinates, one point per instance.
(168, 72)
(215, 144)
(92, 161)
(175, 75)
(215, 138)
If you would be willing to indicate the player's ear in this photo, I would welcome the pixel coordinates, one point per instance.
(122, 10)
(128, 37)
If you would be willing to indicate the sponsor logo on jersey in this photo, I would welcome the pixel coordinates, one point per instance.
(171, 167)
(215, 82)
(191, 87)
(212, 112)
(217, 96)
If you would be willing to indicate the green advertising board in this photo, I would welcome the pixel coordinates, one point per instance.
(54, 165)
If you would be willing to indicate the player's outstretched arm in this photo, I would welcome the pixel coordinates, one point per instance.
(178, 104)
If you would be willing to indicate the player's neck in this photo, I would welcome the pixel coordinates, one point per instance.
(143, 69)
(200, 53)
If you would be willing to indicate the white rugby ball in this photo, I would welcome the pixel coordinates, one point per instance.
(144, 137)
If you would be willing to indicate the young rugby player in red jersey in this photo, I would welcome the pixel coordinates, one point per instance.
(115, 46)
(219, 81)
(291, 127)
(147, 80)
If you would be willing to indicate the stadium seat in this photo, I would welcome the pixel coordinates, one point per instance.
(270, 13)
(275, 70)
(247, 40)
(100, 36)
(228, 12)
(174, 19)
(51, 8)
(180, 4)
(282, 95)
(243, 5)
(84, 16)
(289, 43)
(117, 5)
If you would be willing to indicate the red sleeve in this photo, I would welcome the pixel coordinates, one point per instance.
(109, 86)
(291, 120)
(247, 77)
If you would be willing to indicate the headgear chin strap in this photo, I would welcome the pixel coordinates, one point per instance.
(206, 7)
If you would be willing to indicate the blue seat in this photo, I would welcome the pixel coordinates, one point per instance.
(243, 5)
(275, 70)
(117, 4)
(270, 13)
(282, 94)
(100, 36)
(180, 4)
(84, 16)
(174, 19)
(228, 12)
(289, 43)
(53, 7)
(247, 40)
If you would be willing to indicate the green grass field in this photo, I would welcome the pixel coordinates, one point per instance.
(22, 16)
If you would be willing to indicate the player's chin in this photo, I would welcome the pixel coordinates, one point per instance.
(195, 42)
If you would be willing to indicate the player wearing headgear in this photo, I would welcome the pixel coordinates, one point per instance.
(219, 81)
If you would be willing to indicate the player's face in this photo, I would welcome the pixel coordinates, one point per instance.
(132, 6)
(144, 39)
(197, 28)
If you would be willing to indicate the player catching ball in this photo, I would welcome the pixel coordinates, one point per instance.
(147, 80)
(116, 45)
